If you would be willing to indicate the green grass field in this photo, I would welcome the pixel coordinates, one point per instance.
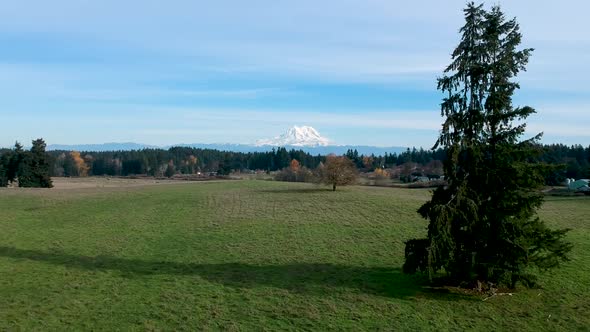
(253, 255)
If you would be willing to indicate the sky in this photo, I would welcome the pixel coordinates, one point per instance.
(183, 71)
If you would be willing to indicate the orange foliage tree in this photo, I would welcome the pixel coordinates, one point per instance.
(79, 164)
(295, 165)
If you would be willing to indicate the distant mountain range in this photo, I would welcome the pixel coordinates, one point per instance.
(102, 147)
(299, 138)
(322, 150)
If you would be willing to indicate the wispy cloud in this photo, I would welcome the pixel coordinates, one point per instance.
(150, 93)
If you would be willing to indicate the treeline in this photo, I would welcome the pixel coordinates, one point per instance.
(574, 162)
(186, 160)
(570, 161)
(176, 160)
(417, 156)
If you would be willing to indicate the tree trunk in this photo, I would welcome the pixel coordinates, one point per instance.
(334, 187)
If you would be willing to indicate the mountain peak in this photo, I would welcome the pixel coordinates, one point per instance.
(304, 136)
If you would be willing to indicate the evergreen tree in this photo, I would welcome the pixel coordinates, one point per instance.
(33, 171)
(15, 162)
(282, 159)
(4, 166)
(482, 225)
(170, 170)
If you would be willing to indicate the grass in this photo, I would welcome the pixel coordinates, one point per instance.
(253, 255)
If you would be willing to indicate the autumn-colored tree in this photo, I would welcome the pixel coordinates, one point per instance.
(81, 169)
(191, 164)
(380, 176)
(381, 173)
(295, 165)
(337, 171)
(294, 173)
(368, 161)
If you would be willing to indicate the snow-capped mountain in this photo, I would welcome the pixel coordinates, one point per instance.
(304, 136)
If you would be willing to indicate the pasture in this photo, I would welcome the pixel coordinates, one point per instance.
(252, 255)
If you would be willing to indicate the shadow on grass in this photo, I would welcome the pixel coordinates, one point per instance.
(311, 278)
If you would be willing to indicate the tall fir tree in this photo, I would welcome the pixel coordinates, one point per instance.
(33, 171)
(482, 225)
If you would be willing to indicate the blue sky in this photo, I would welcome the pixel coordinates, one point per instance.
(361, 72)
